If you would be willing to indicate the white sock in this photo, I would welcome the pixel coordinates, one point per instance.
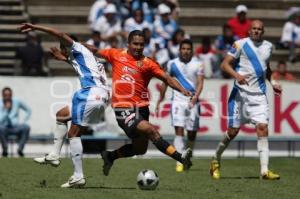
(179, 144)
(76, 154)
(221, 147)
(60, 132)
(263, 151)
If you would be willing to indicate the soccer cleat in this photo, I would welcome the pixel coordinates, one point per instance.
(107, 162)
(179, 167)
(74, 183)
(186, 157)
(48, 159)
(269, 175)
(215, 169)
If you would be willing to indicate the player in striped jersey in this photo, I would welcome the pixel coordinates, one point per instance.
(87, 104)
(188, 71)
(248, 102)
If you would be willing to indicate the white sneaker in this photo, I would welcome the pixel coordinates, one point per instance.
(74, 183)
(186, 157)
(48, 159)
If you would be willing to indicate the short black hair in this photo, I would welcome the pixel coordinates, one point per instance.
(135, 33)
(186, 41)
(74, 38)
(6, 89)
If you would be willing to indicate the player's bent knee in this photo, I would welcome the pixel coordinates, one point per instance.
(141, 152)
(262, 130)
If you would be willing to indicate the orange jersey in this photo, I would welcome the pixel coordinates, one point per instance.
(130, 77)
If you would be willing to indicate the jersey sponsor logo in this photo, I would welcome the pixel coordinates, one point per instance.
(127, 69)
(139, 63)
(128, 78)
(129, 119)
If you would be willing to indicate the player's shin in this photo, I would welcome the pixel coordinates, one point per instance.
(263, 150)
(221, 147)
(122, 152)
(76, 154)
(167, 149)
(59, 136)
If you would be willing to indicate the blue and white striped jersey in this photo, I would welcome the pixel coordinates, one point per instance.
(186, 75)
(252, 61)
(91, 72)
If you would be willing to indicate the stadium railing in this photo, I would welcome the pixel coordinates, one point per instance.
(240, 140)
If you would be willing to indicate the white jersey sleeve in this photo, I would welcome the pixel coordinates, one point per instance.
(235, 50)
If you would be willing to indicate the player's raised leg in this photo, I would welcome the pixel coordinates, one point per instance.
(138, 146)
(60, 131)
(144, 127)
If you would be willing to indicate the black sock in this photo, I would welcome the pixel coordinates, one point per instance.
(167, 149)
(122, 152)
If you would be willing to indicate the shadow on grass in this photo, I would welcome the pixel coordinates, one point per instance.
(105, 187)
(240, 177)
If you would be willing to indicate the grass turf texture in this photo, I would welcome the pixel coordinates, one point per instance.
(22, 178)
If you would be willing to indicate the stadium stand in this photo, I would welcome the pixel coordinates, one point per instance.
(197, 18)
(12, 13)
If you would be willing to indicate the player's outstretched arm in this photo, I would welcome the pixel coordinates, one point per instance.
(173, 83)
(57, 54)
(63, 37)
(162, 93)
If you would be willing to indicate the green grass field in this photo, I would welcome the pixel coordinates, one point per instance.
(22, 178)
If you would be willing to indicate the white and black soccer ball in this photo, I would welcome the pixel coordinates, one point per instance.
(147, 179)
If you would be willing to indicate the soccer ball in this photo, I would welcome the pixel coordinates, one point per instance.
(147, 179)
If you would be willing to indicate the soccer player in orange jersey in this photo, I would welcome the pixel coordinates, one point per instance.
(131, 73)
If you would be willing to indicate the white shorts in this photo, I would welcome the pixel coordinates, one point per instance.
(245, 107)
(88, 105)
(184, 117)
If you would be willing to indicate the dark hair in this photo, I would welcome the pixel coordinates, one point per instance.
(178, 31)
(186, 41)
(135, 33)
(226, 26)
(281, 62)
(6, 89)
(139, 9)
(74, 38)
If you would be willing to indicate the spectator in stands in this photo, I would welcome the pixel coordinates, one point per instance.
(30, 57)
(164, 26)
(147, 7)
(290, 37)
(173, 44)
(96, 11)
(174, 6)
(96, 40)
(136, 22)
(281, 73)
(208, 56)
(240, 24)
(155, 49)
(223, 43)
(109, 25)
(9, 121)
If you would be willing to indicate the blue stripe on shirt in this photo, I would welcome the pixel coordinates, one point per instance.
(256, 65)
(87, 79)
(184, 83)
